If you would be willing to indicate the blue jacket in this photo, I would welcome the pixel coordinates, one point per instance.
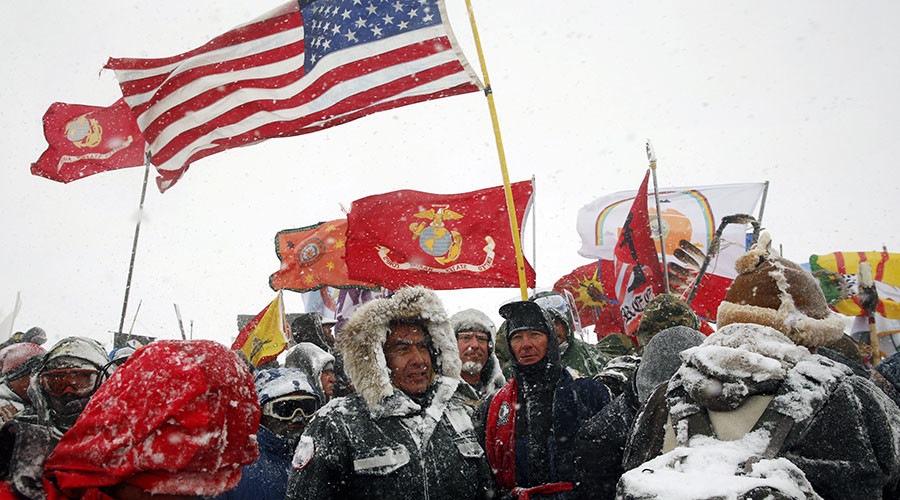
(265, 479)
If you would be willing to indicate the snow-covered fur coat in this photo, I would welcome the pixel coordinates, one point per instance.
(379, 442)
(838, 429)
(473, 320)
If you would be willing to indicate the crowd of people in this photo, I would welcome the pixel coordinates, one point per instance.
(408, 402)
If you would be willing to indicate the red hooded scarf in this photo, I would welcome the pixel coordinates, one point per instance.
(179, 418)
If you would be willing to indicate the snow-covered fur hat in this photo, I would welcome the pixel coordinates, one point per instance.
(311, 359)
(363, 337)
(473, 320)
(772, 291)
(277, 382)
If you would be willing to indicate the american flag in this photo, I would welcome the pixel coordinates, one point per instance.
(300, 68)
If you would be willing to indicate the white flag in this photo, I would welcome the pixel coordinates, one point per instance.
(6, 327)
(691, 213)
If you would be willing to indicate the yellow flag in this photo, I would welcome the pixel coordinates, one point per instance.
(885, 271)
(265, 336)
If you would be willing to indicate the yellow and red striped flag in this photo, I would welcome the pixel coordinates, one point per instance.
(266, 335)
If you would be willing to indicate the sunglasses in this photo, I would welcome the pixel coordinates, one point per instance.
(80, 382)
(287, 408)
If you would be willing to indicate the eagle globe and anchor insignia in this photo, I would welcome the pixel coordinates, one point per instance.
(442, 243)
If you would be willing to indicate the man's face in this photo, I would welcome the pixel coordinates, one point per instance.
(473, 350)
(20, 387)
(328, 379)
(68, 389)
(528, 346)
(562, 331)
(408, 359)
(288, 415)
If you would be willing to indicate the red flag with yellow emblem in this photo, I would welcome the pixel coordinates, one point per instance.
(313, 257)
(85, 140)
(442, 241)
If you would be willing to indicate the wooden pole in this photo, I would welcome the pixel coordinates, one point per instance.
(137, 232)
(510, 204)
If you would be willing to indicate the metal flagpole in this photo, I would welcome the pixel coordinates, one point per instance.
(510, 204)
(137, 232)
(651, 155)
(762, 204)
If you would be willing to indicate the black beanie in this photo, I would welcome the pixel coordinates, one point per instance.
(526, 315)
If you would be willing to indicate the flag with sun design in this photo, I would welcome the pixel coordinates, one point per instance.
(313, 257)
(596, 305)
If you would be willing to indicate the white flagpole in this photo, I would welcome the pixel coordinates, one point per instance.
(651, 155)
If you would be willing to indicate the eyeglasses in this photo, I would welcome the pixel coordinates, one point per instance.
(287, 407)
(78, 382)
(468, 336)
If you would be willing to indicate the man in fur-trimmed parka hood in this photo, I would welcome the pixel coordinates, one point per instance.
(401, 435)
(481, 373)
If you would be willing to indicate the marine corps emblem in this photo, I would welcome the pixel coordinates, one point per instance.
(434, 238)
(84, 132)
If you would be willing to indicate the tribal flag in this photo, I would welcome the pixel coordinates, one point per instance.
(266, 335)
(595, 300)
(312, 257)
(85, 140)
(298, 69)
(636, 247)
(440, 241)
(689, 213)
(837, 276)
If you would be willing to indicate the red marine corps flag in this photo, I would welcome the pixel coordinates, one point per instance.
(85, 140)
(441, 241)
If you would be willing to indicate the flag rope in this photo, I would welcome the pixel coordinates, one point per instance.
(510, 204)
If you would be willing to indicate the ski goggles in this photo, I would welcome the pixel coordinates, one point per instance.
(288, 407)
(80, 382)
(553, 301)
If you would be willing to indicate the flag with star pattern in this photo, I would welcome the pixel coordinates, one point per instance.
(300, 68)
(313, 257)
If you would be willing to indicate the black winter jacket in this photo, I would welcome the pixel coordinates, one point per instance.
(351, 452)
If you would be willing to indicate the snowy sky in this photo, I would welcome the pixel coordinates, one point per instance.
(802, 93)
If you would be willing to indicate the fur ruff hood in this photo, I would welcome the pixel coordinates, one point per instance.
(476, 321)
(363, 337)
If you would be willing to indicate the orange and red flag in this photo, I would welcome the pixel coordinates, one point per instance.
(313, 257)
